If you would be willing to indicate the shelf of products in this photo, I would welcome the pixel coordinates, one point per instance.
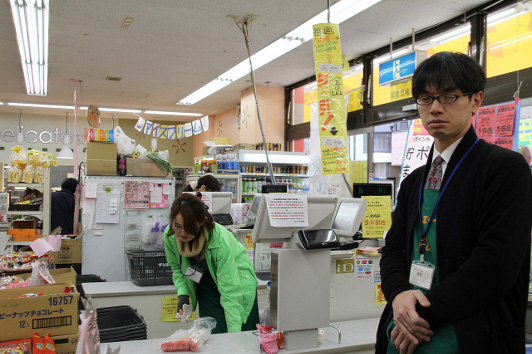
(43, 214)
(289, 168)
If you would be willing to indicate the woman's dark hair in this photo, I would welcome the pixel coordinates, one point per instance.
(210, 182)
(448, 71)
(193, 211)
(70, 184)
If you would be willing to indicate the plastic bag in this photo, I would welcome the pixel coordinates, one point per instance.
(124, 144)
(150, 231)
(163, 223)
(190, 340)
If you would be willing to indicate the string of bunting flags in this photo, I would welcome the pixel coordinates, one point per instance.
(172, 132)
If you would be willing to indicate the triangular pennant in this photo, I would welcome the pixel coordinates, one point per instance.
(148, 127)
(180, 131)
(140, 124)
(171, 132)
(188, 130)
(205, 123)
(196, 127)
(156, 129)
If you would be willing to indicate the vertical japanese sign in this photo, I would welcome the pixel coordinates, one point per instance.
(496, 125)
(417, 149)
(331, 101)
(378, 216)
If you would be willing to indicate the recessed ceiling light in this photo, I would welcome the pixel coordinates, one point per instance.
(127, 22)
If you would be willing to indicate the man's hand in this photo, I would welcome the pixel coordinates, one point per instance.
(411, 329)
(400, 341)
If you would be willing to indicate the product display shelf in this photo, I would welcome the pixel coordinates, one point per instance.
(43, 214)
(290, 168)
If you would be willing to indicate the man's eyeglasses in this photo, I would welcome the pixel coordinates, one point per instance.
(443, 99)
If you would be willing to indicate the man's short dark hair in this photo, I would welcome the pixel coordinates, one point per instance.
(448, 71)
(70, 184)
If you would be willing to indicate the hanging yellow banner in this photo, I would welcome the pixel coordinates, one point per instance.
(331, 102)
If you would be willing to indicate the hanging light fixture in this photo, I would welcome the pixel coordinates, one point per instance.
(30, 18)
(66, 151)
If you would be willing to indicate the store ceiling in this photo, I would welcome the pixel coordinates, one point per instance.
(174, 47)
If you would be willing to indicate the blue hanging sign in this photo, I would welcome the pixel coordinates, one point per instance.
(400, 69)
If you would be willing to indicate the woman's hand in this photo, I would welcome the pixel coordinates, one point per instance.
(182, 299)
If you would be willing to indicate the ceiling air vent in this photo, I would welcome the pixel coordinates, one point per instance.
(113, 78)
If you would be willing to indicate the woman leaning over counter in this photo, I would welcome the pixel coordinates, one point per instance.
(211, 267)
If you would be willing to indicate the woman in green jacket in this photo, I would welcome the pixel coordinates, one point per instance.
(210, 267)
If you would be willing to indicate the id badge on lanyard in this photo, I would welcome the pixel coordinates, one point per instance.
(421, 274)
(193, 274)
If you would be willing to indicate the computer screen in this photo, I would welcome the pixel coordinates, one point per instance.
(373, 189)
(253, 209)
(321, 211)
(349, 216)
(274, 188)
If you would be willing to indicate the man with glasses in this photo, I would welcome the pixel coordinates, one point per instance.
(455, 268)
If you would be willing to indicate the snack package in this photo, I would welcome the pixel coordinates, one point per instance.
(18, 157)
(49, 345)
(14, 174)
(38, 344)
(21, 346)
(190, 340)
(27, 174)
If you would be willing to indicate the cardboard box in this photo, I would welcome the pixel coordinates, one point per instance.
(144, 167)
(70, 251)
(23, 232)
(62, 275)
(98, 167)
(101, 151)
(66, 344)
(25, 238)
(54, 312)
(245, 146)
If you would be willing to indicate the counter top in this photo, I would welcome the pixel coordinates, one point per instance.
(357, 336)
(120, 288)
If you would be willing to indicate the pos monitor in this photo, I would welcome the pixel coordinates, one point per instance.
(373, 189)
(349, 216)
(321, 211)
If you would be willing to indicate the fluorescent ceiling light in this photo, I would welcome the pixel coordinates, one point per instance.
(121, 110)
(387, 56)
(340, 12)
(492, 47)
(38, 105)
(459, 32)
(174, 113)
(30, 18)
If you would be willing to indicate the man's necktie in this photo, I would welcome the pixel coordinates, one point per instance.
(435, 175)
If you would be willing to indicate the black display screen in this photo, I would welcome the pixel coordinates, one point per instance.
(371, 189)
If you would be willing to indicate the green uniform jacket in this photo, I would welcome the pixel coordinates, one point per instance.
(230, 268)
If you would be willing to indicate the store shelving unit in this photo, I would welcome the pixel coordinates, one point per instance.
(43, 213)
(288, 167)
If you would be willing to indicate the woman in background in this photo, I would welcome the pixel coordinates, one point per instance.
(210, 267)
(207, 183)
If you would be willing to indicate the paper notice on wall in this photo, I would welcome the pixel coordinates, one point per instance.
(287, 210)
(136, 194)
(90, 190)
(103, 212)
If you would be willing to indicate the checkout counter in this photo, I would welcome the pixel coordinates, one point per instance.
(349, 302)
